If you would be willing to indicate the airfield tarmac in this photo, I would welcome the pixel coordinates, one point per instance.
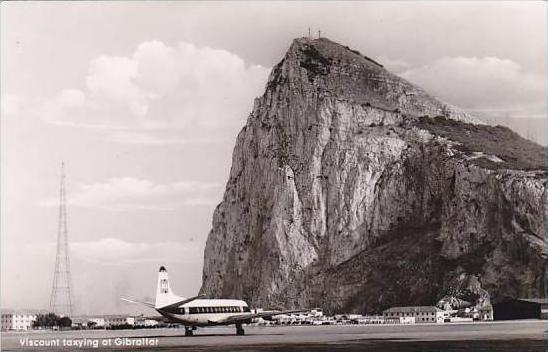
(482, 336)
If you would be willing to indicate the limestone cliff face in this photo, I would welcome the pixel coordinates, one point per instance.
(353, 190)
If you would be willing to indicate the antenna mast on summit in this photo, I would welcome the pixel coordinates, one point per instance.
(309, 35)
(319, 33)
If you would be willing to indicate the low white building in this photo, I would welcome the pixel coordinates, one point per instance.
(151, 322)
(115, 320)
(408, 320)
(17, 320)
(421, 314)
(316, 312)
(99, 322)
(79, 322)
(107, 321)
(369, 319)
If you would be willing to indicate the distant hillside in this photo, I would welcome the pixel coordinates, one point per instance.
(532, 128)
(495, 146)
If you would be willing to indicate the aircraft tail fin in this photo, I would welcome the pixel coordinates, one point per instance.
(164, 295)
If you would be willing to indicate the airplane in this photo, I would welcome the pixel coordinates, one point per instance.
(199, 312)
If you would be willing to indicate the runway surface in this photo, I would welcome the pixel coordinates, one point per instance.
(481, 336)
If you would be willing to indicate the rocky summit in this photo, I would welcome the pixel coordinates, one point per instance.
(353, 190)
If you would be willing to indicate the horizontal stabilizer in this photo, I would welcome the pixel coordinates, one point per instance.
(150, 305)
(179, 303)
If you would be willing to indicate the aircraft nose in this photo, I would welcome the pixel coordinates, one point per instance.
(162, 268)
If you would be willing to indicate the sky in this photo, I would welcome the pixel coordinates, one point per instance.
(143, 102)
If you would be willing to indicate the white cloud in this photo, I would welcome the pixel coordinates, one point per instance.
(483, 83)
(113, 79)
(197, 91)
(128, 193)
(10, 105)
(393, 65)
(71, 98)
(113, 251)
(70, 108)
(161, 138)
(61, 107)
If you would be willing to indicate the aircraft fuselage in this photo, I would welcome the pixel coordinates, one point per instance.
(205, 312)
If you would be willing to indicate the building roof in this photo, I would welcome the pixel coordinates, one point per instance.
(79, 320)
(109, 316)
(116, 316)
(23, 311)
(412, 309)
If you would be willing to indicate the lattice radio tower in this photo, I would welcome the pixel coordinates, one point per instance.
(61, 296)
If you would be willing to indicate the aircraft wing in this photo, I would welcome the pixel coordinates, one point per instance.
(243, 317)
(186, 300)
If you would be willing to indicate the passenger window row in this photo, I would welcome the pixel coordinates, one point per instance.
(201, 310)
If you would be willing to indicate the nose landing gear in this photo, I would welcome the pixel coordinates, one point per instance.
(188, 331)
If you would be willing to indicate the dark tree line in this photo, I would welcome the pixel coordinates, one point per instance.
(50, 320)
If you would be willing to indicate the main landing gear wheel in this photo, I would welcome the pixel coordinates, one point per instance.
(239, 330)
(188, 331)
